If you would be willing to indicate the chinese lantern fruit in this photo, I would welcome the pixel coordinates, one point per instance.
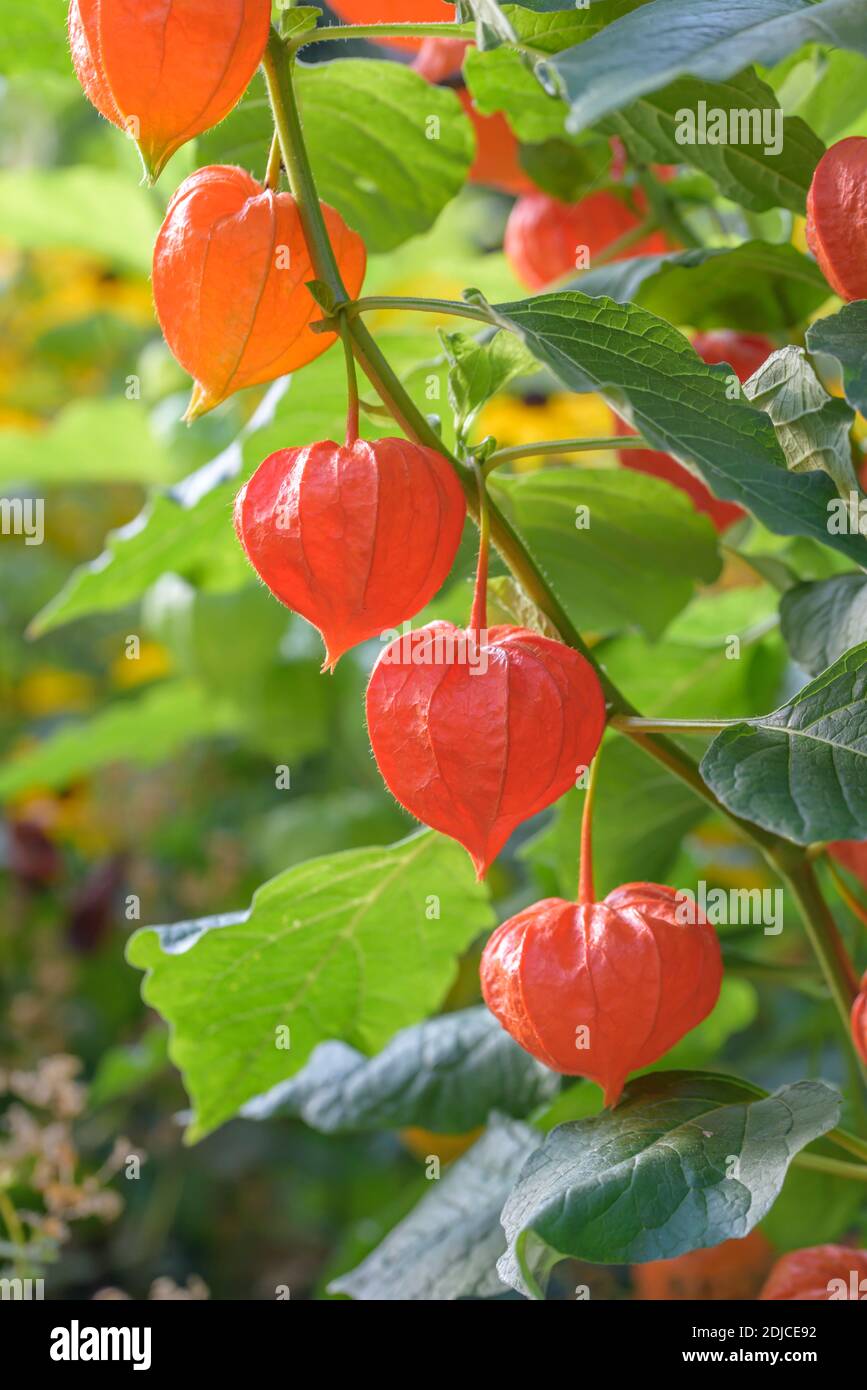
(859, 1020)
(229, 279)
(496, 163)
(837, 217)
(167, 70)
(395, 12)
(820, 1273)
(473, 737)
(734, 1270)
(598, 989)
(543, 236)
(745, 353)
(356, 538)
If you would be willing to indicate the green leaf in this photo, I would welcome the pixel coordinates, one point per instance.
(844, 336)
(447, 1248)
(388, 149)
(507, 603)
(89, 441)
(567, 169)
(636, 560)
(344, 947)
(447, 1074)
(650, 375)
(835, 104)
(93, 210)
(297, 19)
(145, 730)
(479, 369)
(685, 1161)
(669, 39)
(751, 174)
(812, 427)
(800, 771)
(505, 79)
(123, 1069)
(822, 620)
(755, 287)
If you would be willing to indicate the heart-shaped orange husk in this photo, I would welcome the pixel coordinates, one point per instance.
(805, 1275)
(230, 276)
(837, 217)
(474, 732)
(601, 988)
(356, 538)
(169, 69)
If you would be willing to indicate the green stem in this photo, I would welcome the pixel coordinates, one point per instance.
(275, 164)
(413, 303)
(854, 904)
(335, 32)
(479, 613)
(849, 1142)
(586, 889)
(563, 446)
(630, 723)
(788, 859)
(836, 1167)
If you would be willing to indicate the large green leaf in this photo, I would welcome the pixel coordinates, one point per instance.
(503, 79)
(750, 174)
(801, 771)
(353, 946)
(844, 336)
(635, 562)
(147, 729)
(94, 210)
(388, 149)
(649, 373)
(447, 1247)
(822, 620)
(812, 427)
(668, 39)
(447, 1074)
(685, 1160)
(756, 287)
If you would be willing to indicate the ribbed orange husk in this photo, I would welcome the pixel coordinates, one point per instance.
(735, 1269)
(859, 1020)
(356, 539)
(229, 279)
(474, 738)
(808, 1274)
(543, 235)
(837, 217)
(166, 70)
(496, 163)
(395, 12)
(603, 989)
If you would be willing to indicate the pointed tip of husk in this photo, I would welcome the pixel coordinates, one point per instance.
(201, 401)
